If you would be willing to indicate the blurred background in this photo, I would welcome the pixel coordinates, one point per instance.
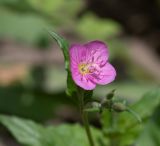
(32, 74)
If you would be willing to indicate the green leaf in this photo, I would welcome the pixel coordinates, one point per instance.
(136, 115)
(150, 136)
(32, 134)
(145, 107)
(151, 133)
(25, 131)
(126, 128)
(71, 87)
(64, 47)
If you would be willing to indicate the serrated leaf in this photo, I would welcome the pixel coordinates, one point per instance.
(64, 45)
(30, 133)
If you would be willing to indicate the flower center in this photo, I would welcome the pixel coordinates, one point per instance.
(83, 68)
(86, 68)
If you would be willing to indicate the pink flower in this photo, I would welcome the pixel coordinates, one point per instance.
(89, 65)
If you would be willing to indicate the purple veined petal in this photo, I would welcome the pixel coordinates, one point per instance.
(77, 53)
(97, 52)
(81, 80)
(107, 75)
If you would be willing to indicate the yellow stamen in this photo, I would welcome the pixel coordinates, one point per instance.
(83, 68)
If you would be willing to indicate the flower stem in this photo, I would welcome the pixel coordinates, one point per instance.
(112, 122)
(84, 117)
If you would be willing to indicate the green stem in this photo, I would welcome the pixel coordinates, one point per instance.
(113, 139)
(113, 120)
(84, 117)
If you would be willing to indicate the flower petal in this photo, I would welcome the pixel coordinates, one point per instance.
(97, 52)
(77, 53)
(106, 75)
(95, 55)
(82, 81)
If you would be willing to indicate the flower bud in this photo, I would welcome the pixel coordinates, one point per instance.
(119, 107)
(111, 94)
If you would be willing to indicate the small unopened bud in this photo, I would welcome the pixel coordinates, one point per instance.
(119, 107)
(111, 94)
